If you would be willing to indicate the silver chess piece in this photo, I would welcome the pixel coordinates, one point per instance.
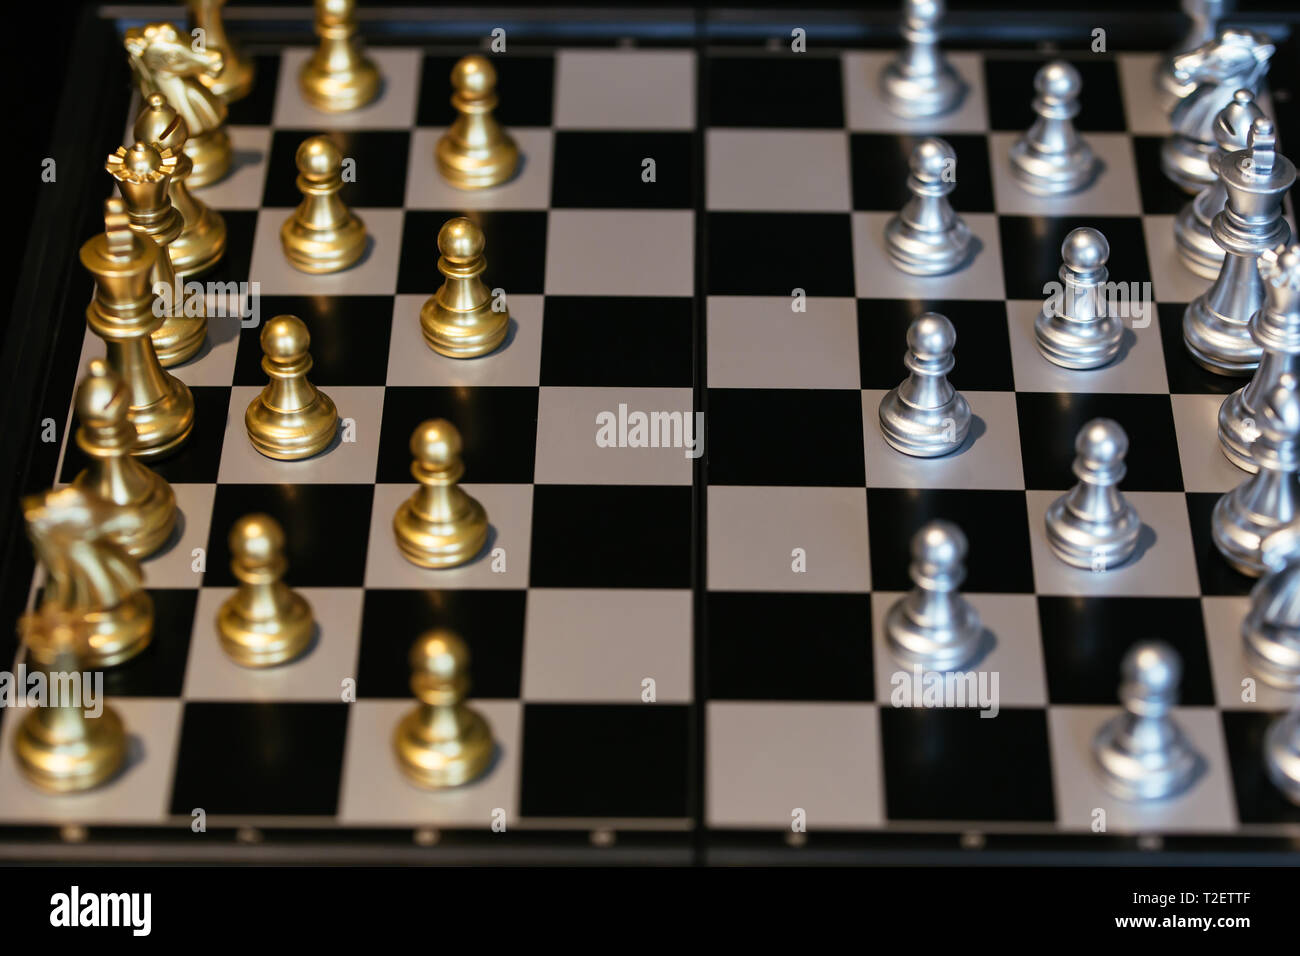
(934, 627)
(925, 416)
(1270, 631)
(1052, 159)
(1212, 73)
(1193, 227)
(1142, 753)
(1079, 332)
(920, 82)
(1269, 499)
(1092, 525)
(927, 237)
(1276, 329)
(1216, 326)
(1282, 754)
(1204, 16)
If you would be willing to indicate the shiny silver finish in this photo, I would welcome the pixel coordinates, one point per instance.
(1270, 632)
(1142, 754)
(1276, 329)
(1204, 16)
(1216, 326)
(1079, 333)
(934, 627)
(925, 416)
(1051, 159)
(1282, 755)
(1092, 526)
(927, 237)
(920, 82)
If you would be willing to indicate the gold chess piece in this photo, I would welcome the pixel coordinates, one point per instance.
(106, 436)
(202, 239)
(123, 314)
(476, 151)
(459, 319)
(443, 742)
(60, 747)
(144, 175)
(264, 622)
(235, 80)
(88, 574)
(338, 77)
(440, 526)
(322, 235)
(165, 61)
(291, 418)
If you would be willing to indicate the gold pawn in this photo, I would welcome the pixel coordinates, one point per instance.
(459, 320)
(443, 742)
(476, 151)
(440, 526)
(291, 418)
(338, 77)
(322, 235)
(235, 81)
(106, 436)
(264, 622)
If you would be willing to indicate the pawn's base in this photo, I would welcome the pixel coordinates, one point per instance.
(1272, 653)
(1187, 163)
(1239, 535)
(947, 648)
(431, 543)
(432, 758)
(320, 251)
(120, 632)
(1078, 345)
(1195, 244)
(1133, 774)
(1238, 431)
(462, 334)
(1219, 344)
(1282, 755)
(1090, 545)
(211, 154)
(924, 432)
(179, 339)
(58, 763)
(477, 168)
(920, 97)
(1052, 174)
(155, 511)
(332, 92)
(291, 435)
(165, 425)
(263, 642)
(200, 245)
(927, 253)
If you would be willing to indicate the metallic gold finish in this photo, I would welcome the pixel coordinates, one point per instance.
(459, 320)
(443, 742)
(88, 574)
(144, 176)
(59, 747)
(106, 436)
(264, 623)
(476, 151)
(440, 526)
(291, 418)
(338, 77)
(122, 314)
(202, 240)
(235, 80)
(322, 235)
(165, 61)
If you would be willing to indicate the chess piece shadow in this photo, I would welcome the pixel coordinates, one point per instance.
(977, 429)
(1146, 540)
(245, 157)
(178, 531)
(988, 642)
(135, 756)
(1127, 340)
(365, 255)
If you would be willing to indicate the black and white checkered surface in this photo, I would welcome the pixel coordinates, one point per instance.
(774, 172)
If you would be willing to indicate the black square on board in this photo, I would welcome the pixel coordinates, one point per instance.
(497, 425)
(1184, 375)
(258, 107)
(1159, 194)
(515, 250)
(380, 158)
(159, 670)
(1031, 252)
(982, 353)
(604, 170)
(326, 531)
(237, 260)
(1010, 86)
(605, 760)
(955, 765)
(1258, 799)
(608, 341)
(995, 523)
(1085, 640)
(1217, 576)
(260, 758)
(749, 646)
(773, 253)
(525, 84)
(785, 436)
(793, 92)
(349, 338)
(611, 536)
(881, 164)
(1050, 423)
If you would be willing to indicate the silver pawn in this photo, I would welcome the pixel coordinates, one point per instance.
(1142, 753)
(1276, 329)
(1216, 326)
(927, 237)
(1193, 229)
(920, 82)
(1269, 499)
(1051, 159)
(1282, 755)
(1205, 16)
(925, 416)
(1092, 525)
(934, 627)
(1079, 333)
(1270, 631)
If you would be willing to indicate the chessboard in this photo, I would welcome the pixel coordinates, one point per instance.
(680, 654)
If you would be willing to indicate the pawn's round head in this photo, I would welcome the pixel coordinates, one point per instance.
(285, 339)
(142, 160)
(102, 399)
(435, 444)
(159, 123)
(460, 240)
(1101, 443)
(318, 158)
(440, 654)
(1153, 666)
(474, 76)
(334, 12)
(1085, 250)
(926, 11)
(931, 336)
(940, 545)
(1280, 268)
(1058, 80)
(932, 159)
(256, 541)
